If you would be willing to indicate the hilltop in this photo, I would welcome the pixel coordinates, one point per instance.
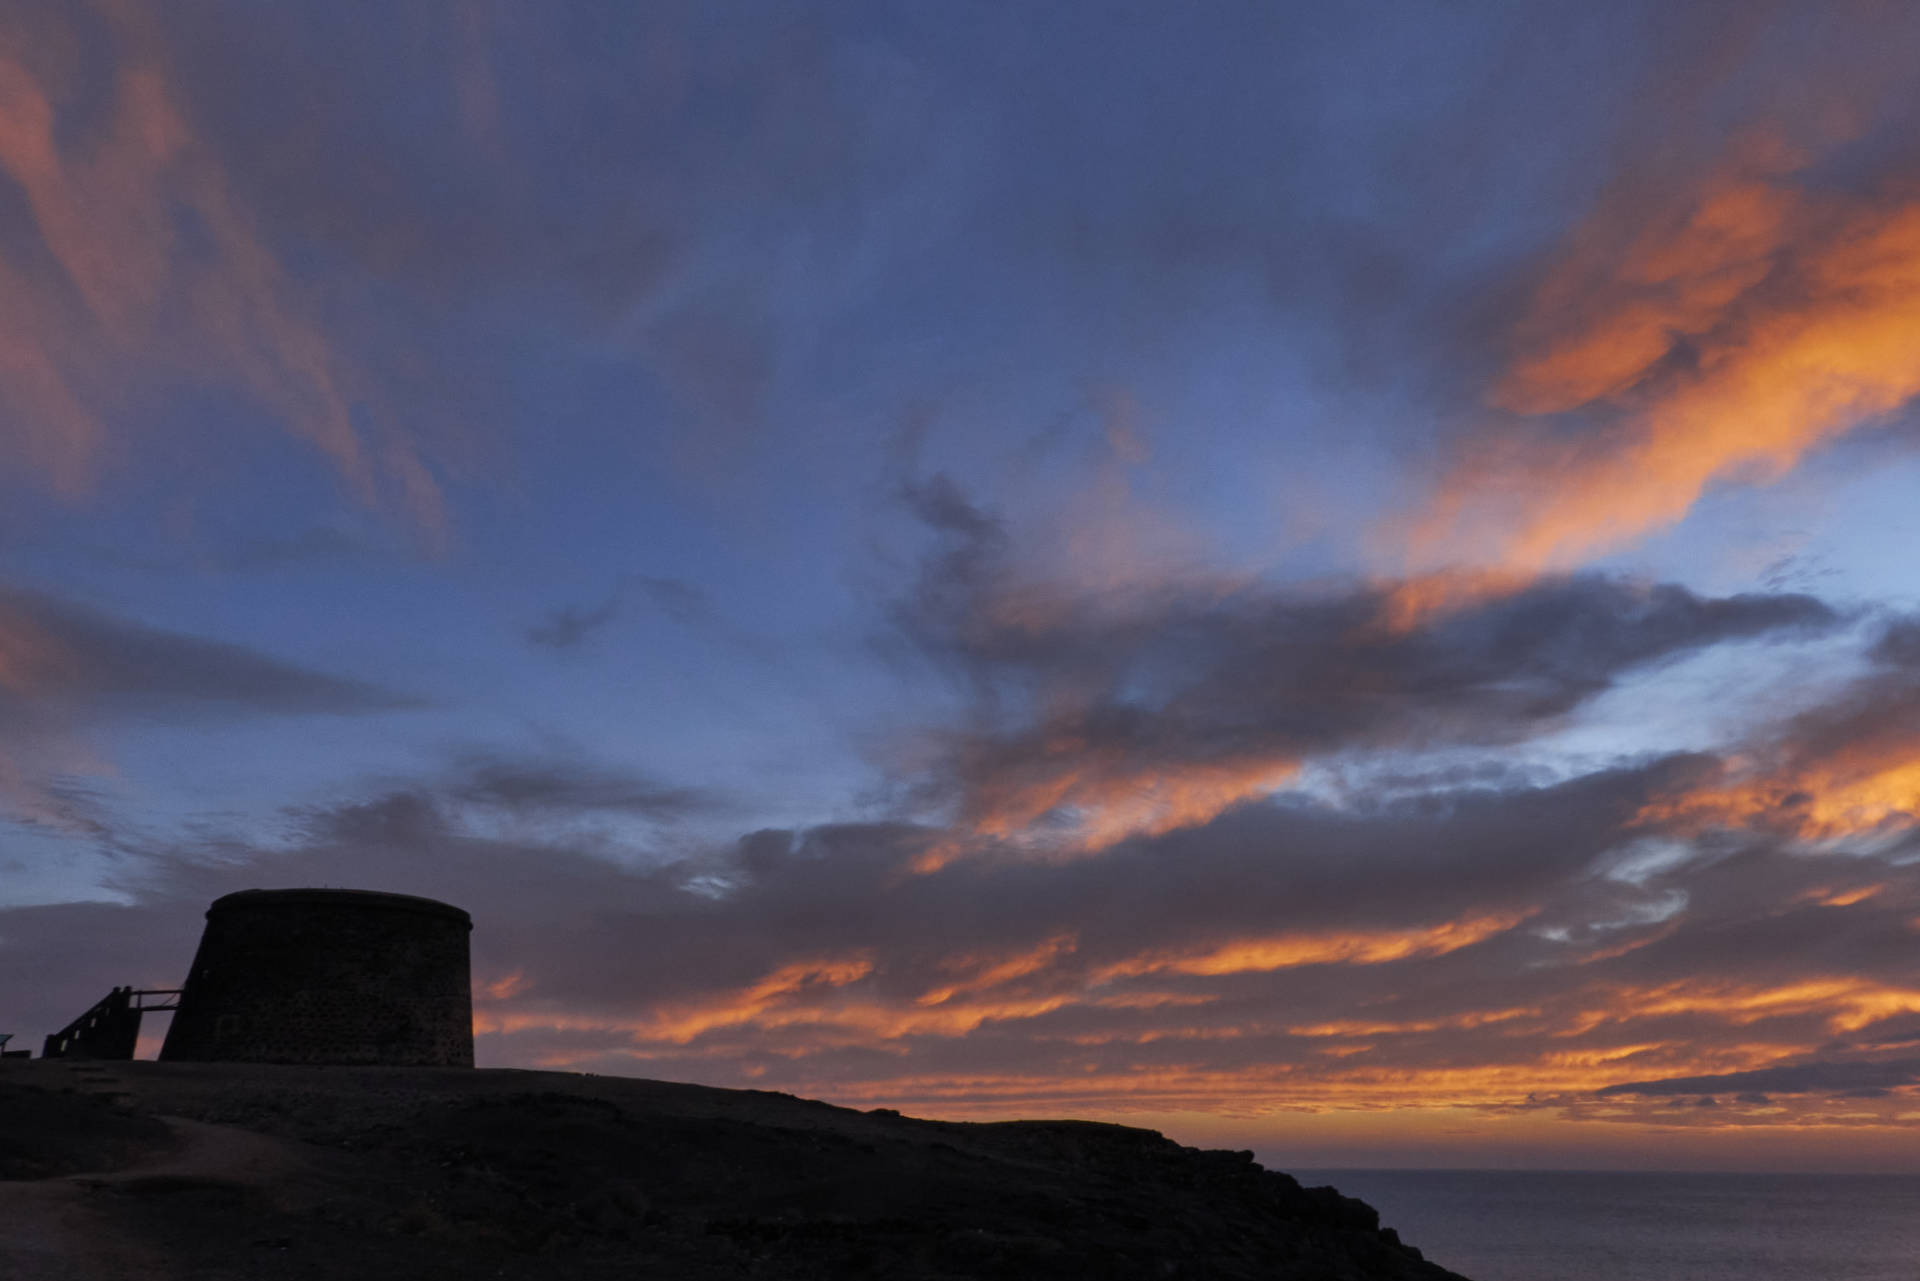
(167, 1170)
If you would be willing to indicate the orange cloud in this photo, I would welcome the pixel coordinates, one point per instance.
(1072, 794)
(983, 973)
(1383, 1027)
(1353, 947)
(1851, 769)
(1111, 797)
(1842, 1004)
(1841, 898)
(769, 1002)
(1818, 803)
(503, 988)
(1721, 340)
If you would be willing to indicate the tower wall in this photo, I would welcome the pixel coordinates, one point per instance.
(327, 976)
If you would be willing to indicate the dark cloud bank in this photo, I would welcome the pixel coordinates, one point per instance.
(1228, 676)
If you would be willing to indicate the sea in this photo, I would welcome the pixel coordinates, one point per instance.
(1525, 1225)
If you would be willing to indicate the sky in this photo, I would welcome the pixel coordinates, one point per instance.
(1331, 579)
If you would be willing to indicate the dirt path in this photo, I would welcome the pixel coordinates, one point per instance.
(59, 1230)
(73, 1227)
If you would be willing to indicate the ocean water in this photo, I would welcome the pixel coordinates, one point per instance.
(1507, 1225)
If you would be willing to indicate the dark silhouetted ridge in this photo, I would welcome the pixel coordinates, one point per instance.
(318, 1172)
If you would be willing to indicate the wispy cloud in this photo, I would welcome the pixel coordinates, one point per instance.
(567, 626)
(146, 265)
(560, 786)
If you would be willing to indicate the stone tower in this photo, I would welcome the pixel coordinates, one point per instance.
(327, 976)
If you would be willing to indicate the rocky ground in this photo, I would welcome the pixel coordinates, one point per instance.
(163, 1170)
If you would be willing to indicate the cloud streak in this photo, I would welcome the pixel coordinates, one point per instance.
(569, 625)
(65, 670)
(55, 652)
(1861, 1079)
(563, 786)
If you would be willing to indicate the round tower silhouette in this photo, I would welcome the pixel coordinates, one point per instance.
(327, 976)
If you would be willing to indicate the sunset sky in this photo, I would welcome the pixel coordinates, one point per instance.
(1341, 579)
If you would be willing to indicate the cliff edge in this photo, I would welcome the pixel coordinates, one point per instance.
(168, 1170)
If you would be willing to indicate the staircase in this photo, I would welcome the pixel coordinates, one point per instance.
(111, 1029)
